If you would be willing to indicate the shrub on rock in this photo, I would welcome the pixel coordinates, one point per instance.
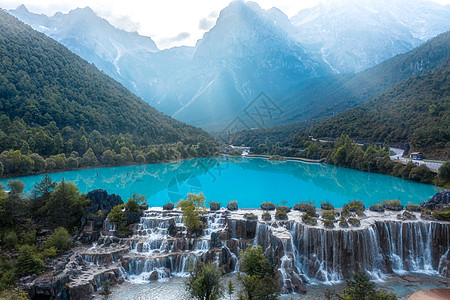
(168, 206)
(395, 205)
(213, 206)
(326, 206)
(232, 205)
(268, 206)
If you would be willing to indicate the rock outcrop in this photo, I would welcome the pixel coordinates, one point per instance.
(95, 215)
(442, 198)
(71, 277)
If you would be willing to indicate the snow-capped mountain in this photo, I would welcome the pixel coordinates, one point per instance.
(353, 35)
(120, 54)
(248, 51)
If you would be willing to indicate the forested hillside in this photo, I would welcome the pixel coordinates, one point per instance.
(53, 102)
(416, 111)
(322, 98)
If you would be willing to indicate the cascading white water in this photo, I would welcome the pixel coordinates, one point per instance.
(160, 244)
(332, 255)
(153, 249)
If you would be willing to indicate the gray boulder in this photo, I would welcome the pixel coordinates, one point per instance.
(442, 198)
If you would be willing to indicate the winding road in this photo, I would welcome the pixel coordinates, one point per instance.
(434, 166)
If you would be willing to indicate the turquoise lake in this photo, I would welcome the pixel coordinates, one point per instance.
(250, 181)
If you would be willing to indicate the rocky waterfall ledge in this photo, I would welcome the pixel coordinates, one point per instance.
(159, 247)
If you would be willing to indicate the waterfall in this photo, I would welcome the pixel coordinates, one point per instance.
(331, 255)
(160, 248)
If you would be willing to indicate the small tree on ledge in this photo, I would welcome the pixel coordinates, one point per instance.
(193, 208)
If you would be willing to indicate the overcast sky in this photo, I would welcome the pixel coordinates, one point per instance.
(168, 22)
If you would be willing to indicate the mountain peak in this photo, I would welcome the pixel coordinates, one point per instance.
(22, 8)
(85, 10)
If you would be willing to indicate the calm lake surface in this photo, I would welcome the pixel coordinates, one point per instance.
(250, 181)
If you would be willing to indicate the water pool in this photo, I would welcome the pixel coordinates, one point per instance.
(250, 181)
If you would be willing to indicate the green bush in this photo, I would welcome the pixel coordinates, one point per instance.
(193, 208)
(355, 205)
(168, 206)
(28, 237)
(392, 204)
(251, 216)
(303, 206)
(283, 207)
(117, 215)
(268, 206)
(328, 215)
(49, 252)
(65, 206)
(60, 240)
(343, 222)
(8, 278)
(204, 281)
(281, 214)
(359, 287)
(232, 205)
(258, 278)
(214, 206)
(444, 171)
(14, 294)
(266, 216)
(413, 207)
(29, 262)
(277, 157)
(377, 207)
(328, 223)
(442, 213)
(326, 206)
(309, 220)
(354, 222)
(132, 206)
(10, 240)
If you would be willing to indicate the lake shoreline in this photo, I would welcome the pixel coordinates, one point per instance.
(250, 181)
(98, 167)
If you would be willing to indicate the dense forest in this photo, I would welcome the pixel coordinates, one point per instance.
(416, 111)
(58, 111)
(282, 135)
(25, 225)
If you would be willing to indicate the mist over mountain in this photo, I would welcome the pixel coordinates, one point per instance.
(325, 97)
(120, 54)
(245, 53)
(251, 50)
(353, 35)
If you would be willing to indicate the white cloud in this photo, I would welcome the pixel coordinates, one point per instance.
(208, 22)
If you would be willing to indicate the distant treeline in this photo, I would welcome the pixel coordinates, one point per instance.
(345, 153)
(27, 150)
